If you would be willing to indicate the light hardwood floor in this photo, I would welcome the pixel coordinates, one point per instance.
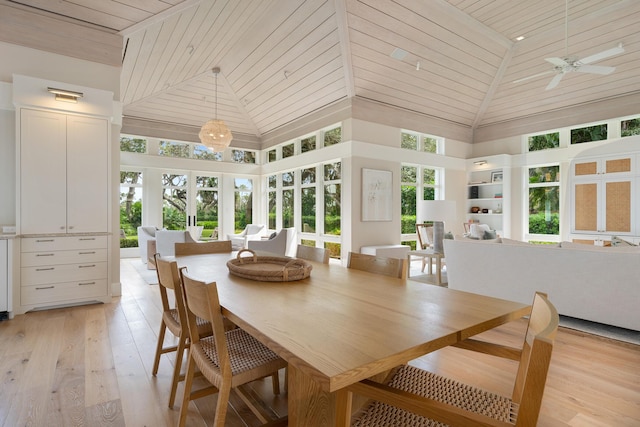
(91, 366)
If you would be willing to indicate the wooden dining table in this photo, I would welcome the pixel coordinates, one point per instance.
(339, 325)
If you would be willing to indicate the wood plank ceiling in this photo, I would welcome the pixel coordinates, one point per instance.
(283, 59)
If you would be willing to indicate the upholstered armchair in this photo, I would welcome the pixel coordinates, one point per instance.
(166, 241)
(144, 235)
(284, 243)
(250, 232)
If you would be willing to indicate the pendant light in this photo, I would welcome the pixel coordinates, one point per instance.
(215, 134)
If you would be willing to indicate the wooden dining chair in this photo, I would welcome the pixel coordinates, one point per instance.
(425, 236)
(312, 253)
(415, 397)
(168, 282)
(394, 267)
(200, 248)
(228, 359)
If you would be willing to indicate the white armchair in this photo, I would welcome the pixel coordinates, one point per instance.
(144, 235)
(166, 241)
(284, 243)
(251, 232)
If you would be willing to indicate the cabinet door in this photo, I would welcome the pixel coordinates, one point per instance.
(87, 175)
(585, 206)
(43, 191)
(617, 206)
(4, 272)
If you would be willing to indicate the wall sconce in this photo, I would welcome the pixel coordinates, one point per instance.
(480, 162)
(65, 95)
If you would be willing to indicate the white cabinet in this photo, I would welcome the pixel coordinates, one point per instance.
(63, 173)
(4, 275)
(603, 196)
(63, 270)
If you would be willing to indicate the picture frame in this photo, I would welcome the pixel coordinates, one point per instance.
(496, 176)
(377, 195)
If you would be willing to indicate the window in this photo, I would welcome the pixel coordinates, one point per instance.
(174, 149)
(333, 136)
(243, 156)
(130, 207)
(308, 199)
(288, 197)
(272, 195)
(133, 145)
(243, 203)
(420, 142)
(272, 155)
(207, 204)
(174, 201)
(203, 153)
(630, 127)
(589, 134)
(544, 142)
(544, 201)
(416, 183)
(288, 150)
(332, 179)
(308, 144)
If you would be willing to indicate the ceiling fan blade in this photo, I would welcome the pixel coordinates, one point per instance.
(595, 69)
(554, 81)
(558, 62)
(533, 76)
(602, 55)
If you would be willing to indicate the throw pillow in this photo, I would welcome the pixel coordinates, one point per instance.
(448, 235)
(477, 230)
(489, 235)
(274, 234)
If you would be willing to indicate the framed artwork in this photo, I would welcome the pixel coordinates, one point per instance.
(496, 176)
(377, 195)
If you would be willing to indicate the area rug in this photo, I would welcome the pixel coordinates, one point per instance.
(147, 275)
(607, 331)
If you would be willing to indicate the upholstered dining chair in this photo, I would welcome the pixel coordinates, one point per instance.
(228, 359)
(199, 248)
(312, 253)
(394, 267)
(168, 282)
(418, 398)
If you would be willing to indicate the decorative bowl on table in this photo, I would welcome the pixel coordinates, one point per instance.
(268, 268)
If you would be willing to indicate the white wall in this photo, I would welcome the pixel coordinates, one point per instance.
(7, 167)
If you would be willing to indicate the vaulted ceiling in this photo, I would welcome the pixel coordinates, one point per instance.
(456, 60)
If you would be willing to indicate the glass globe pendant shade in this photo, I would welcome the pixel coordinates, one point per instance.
(215, 135)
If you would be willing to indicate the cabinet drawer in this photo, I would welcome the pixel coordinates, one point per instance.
(44, 244)
(69, 291)
(33, 259)
(63, 273)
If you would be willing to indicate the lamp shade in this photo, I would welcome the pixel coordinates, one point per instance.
(436, 210)
(215, 135)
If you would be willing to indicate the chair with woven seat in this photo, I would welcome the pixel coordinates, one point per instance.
(394, 267)
(415, 397)
(168, 276)
(425, 236)
(228, 359)
(312, 253)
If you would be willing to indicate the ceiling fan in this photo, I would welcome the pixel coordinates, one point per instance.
(569, 64)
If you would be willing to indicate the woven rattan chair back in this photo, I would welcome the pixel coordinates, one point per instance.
(418, 398)
(200, 248)
(394, 267)
(312, 253)
(228, 359)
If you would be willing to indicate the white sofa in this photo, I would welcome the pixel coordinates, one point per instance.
(586, 282)
(284, 243)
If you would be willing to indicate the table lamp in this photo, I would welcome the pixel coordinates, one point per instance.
(436, 211)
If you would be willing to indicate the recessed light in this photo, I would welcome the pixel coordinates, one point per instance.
(519, 38)
(399, 54)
